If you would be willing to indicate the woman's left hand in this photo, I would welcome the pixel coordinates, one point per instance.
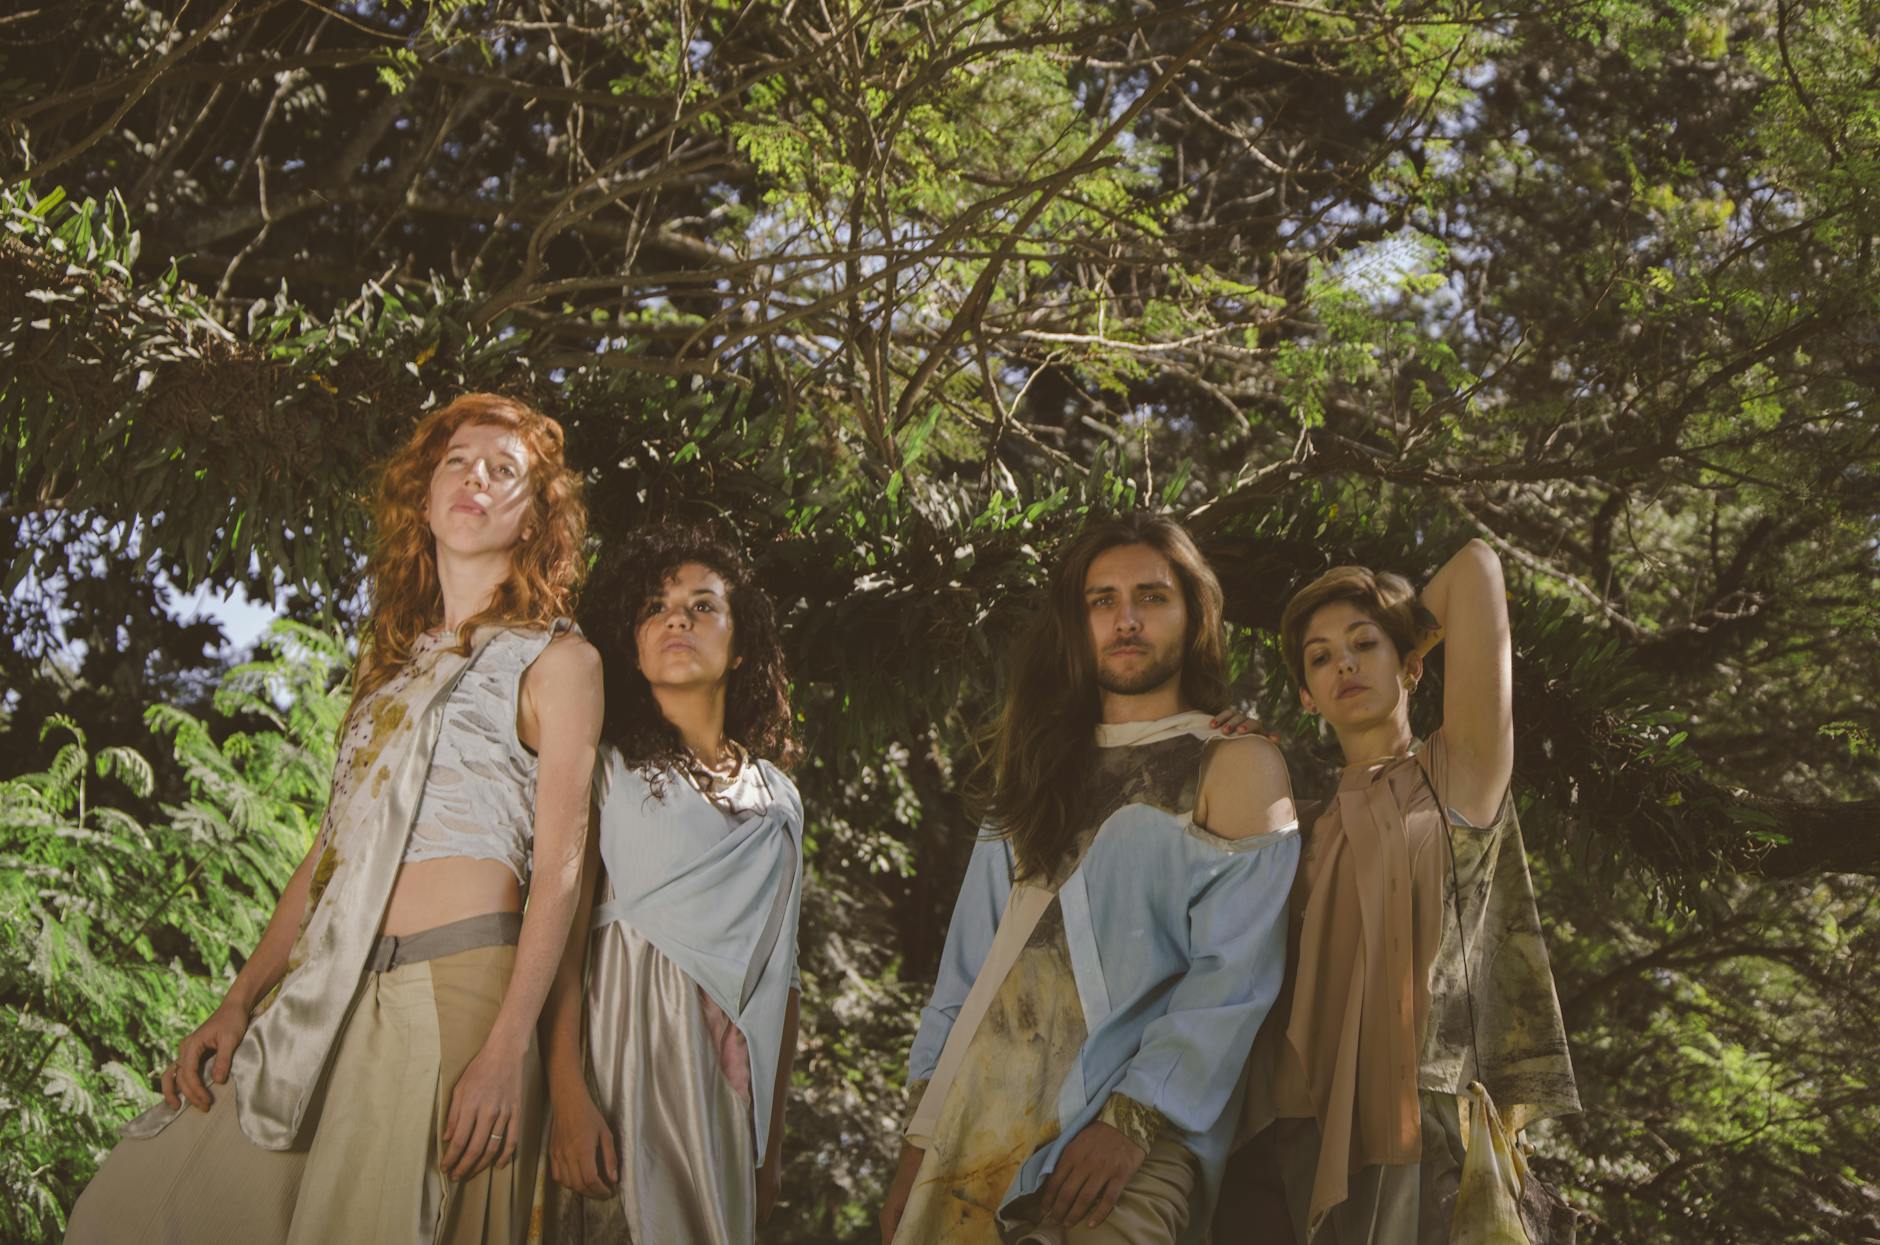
(1240, 720)
(769, 1181)
(485, 1105)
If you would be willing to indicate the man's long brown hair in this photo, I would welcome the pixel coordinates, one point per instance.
(1031, 780)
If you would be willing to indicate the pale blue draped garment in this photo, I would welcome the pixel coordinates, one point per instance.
(711, 891)
(1177, 941)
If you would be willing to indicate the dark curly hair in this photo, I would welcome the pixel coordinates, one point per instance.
(757, 695)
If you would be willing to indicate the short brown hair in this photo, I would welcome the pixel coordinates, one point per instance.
(1384, 597)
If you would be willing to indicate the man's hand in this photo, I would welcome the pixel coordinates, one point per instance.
(896, 1203)
(1090, 1176)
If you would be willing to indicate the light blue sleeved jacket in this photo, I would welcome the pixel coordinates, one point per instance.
(1177, 940)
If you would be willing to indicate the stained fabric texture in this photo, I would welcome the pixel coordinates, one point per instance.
(1001, 1104)
(1174, 941)
(1379, 1007)
(690, 962)
(378, 785)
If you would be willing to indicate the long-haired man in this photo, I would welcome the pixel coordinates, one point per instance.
(1120, 933)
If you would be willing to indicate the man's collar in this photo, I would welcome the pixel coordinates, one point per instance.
(1191, 722)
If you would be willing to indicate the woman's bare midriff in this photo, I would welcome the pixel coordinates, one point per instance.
(429, 893)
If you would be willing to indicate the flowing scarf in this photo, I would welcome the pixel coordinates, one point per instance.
(1380, 1001)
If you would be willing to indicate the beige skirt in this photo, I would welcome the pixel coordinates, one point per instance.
(198, 1182)
(366, 1166)
(671, 1075)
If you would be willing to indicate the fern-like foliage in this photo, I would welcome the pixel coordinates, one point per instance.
(117, 937)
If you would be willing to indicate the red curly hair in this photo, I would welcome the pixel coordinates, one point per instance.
(402, 569)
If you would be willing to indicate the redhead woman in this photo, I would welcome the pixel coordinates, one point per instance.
(671, 1131)
(371, 1074)
(1417, 962)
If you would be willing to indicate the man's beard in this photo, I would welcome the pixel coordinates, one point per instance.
(1161, 668)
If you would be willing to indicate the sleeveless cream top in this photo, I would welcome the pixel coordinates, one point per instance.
(479, 797)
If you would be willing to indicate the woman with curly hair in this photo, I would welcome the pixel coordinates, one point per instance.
(671, 1132)
(377, 1048)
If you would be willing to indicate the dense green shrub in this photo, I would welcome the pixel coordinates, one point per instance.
(117, 935)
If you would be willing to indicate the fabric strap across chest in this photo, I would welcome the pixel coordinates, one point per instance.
(284, 1054)
(617, 909)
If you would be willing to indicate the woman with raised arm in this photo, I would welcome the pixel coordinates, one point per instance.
(1418, 964)
(372, 1073)
(671, 1132)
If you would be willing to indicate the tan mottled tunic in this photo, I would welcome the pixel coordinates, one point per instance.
(1003, 1101)
(999, 1104)
(1375, 1043)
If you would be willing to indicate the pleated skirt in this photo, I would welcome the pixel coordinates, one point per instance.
(671, 1075)
(366, 1165)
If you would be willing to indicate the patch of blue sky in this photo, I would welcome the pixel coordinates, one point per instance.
(243, 620)
(1378, 271)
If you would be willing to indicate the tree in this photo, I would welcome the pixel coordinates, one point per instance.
(117, 936)
(905, 291)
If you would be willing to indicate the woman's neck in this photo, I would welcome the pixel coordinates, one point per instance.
(469, 584)
(699, 715)
(1377, 740)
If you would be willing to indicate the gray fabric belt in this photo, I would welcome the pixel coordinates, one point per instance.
(492, 929)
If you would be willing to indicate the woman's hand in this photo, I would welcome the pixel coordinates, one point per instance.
(486, 1102)
(219, 1036)
(1240, 720)
(896, 1203)
(581, 1146)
